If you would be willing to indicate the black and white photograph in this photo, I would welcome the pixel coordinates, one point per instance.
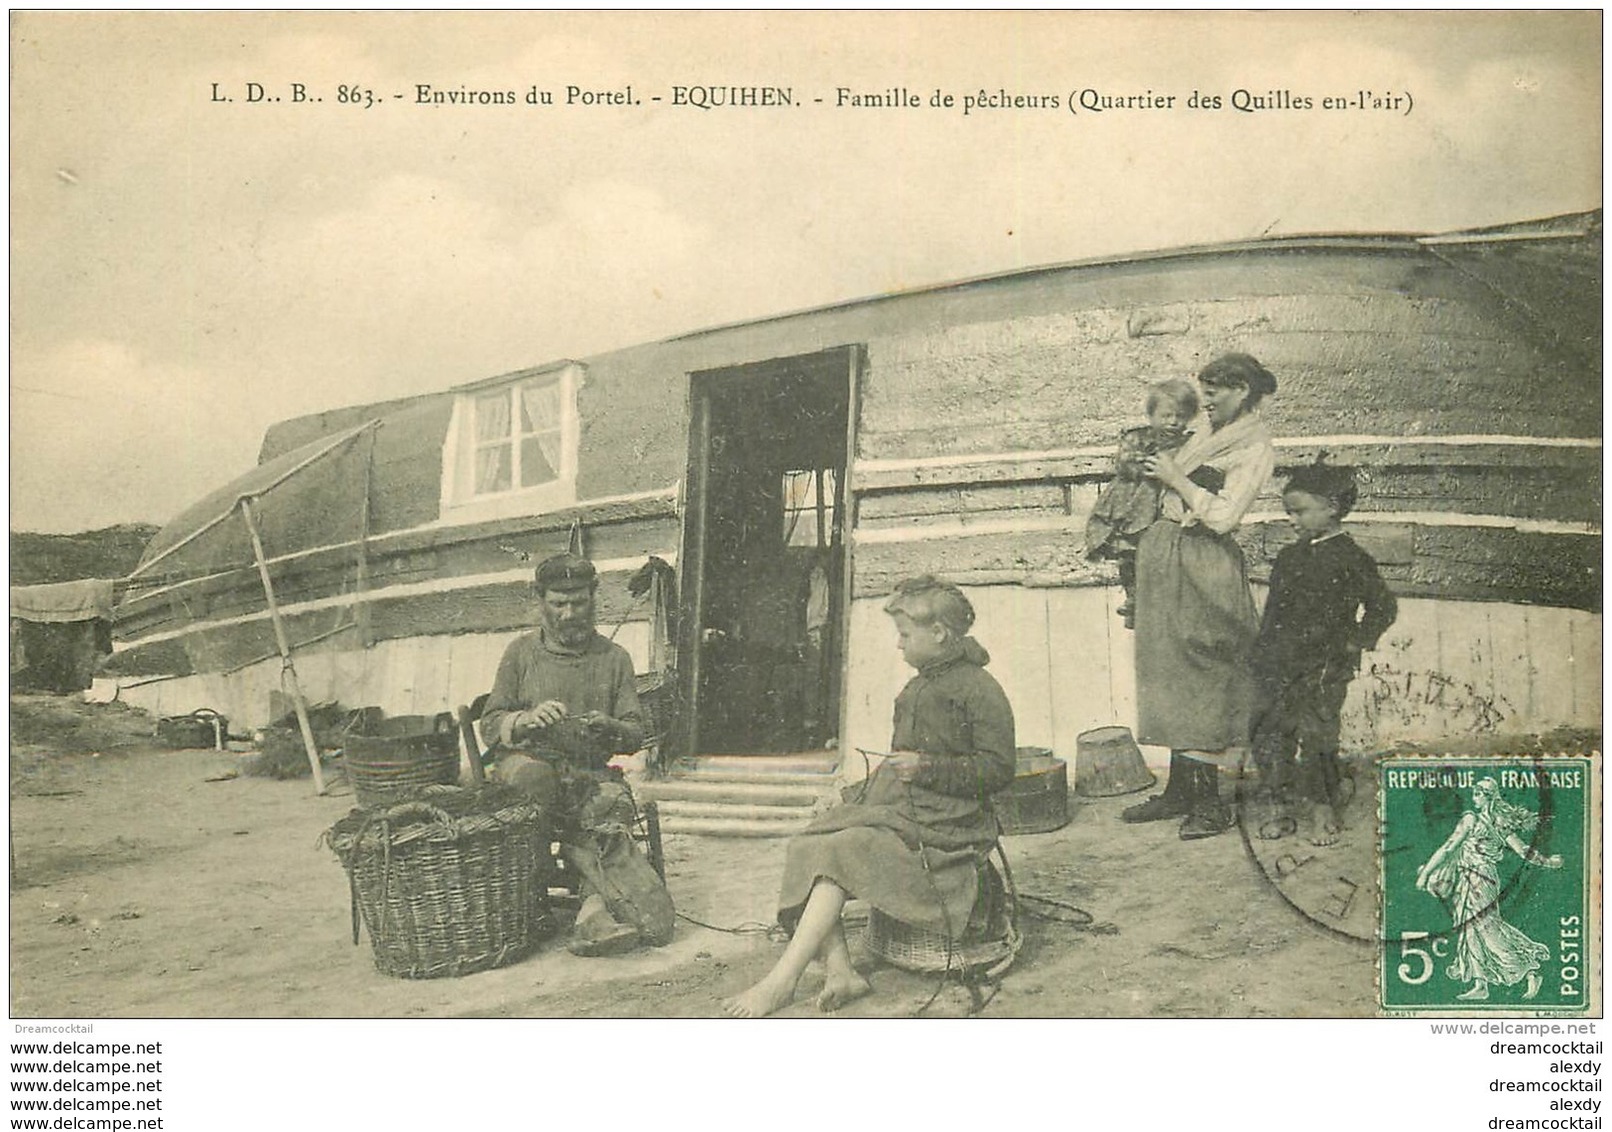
(896, 519)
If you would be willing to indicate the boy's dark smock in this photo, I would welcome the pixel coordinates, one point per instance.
(875, 845)
(1327, 604)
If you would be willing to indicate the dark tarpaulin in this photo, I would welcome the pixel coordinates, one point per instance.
(358, 481)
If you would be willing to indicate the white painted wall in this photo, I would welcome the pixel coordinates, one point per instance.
(1446, 669)
(411, 676)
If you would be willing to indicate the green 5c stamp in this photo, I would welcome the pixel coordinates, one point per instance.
(1485, 885)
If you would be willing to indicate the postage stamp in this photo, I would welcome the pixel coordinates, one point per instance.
(1485, 878)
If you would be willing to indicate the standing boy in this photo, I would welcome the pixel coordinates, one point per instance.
(1327, 605)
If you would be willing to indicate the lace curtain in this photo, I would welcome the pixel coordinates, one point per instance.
(540, 426)
(538, 437)
(492, 443)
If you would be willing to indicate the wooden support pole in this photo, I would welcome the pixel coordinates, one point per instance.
(280, 641)
(361, 611)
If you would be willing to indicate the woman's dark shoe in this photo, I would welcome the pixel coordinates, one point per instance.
(1159, 807)
(1173, 803)
(1205, 822)
(1207, 815)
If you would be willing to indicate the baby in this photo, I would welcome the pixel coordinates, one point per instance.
(1130, 503)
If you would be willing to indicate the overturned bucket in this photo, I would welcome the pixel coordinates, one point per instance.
(1108, 762)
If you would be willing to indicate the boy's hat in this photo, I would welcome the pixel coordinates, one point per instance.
(1327, 481)
(565, 572)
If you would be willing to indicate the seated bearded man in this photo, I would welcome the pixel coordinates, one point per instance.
(563, 703)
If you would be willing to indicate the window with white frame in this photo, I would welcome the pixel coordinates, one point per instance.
(515, 446)
(518, 437)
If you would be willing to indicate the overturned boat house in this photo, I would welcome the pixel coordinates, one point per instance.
(793, 468)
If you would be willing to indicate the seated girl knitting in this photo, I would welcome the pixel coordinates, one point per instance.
(911, 839)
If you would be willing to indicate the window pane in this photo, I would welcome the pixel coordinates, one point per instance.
(540, 457)
(492, 469)
(800, 507)
(492, 416)
(540, 407)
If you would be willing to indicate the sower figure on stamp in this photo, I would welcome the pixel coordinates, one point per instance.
(1130, 503)
(564, 701)
(1464, 872)
(1327, 605)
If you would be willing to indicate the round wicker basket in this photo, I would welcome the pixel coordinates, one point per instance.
(930, 952)
(385, 770)
(986, 949)
(448, 882)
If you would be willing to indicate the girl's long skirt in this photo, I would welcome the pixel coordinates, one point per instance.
(1195, 632)
(915, 855)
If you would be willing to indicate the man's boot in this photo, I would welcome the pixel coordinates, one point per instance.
(1173, 803)
(597, 932)
(1207, 815)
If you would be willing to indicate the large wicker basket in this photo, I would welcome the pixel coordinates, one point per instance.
(386, 769)
(448, 882)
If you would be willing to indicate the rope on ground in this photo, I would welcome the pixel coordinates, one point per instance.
(749, 927)
(1076, 917)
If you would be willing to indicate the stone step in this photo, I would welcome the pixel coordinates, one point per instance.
(734, 827)
(770, 768)
(675, 814)
(760, 777)
(677, 789)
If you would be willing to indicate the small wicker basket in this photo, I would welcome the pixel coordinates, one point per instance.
(448, 882)
(930, 952)
(984, 951)
(384, 770)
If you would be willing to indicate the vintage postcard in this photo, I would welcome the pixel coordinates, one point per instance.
(1067, 515)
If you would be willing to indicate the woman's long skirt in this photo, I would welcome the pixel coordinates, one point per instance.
(1195, 632)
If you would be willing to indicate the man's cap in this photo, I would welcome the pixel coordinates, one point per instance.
(565, 572)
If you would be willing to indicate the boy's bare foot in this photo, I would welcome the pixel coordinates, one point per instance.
(1325, 829)
(838, 990)
(760, 1000)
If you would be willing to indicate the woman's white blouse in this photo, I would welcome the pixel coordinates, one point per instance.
(1242, 450)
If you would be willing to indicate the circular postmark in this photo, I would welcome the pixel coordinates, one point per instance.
(1336, 880)
(1333, 885)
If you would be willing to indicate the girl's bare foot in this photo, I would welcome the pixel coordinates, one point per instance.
(760, 1000)
(838, 990)
(1477, 994)
(1534, 983)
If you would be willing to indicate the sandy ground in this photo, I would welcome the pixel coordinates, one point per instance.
(146, 883)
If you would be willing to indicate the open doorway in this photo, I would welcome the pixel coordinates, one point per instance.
(764, 554)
